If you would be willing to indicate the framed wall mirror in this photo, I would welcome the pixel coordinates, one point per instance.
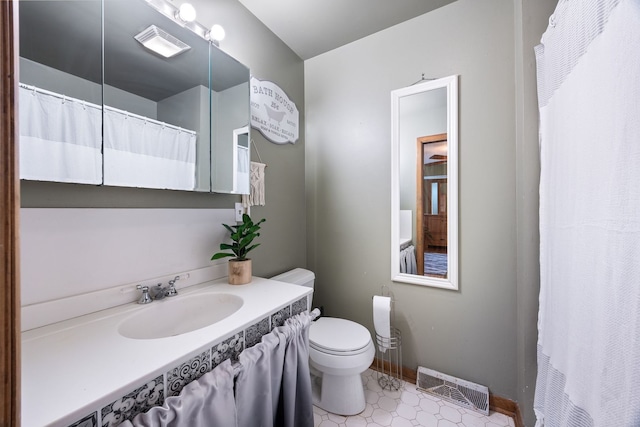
(424, 184)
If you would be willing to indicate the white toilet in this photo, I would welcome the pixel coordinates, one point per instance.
(339, 351)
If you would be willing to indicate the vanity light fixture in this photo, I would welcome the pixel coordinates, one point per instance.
(185, 16)
(159, 41)
(186, 12)
(216, 33)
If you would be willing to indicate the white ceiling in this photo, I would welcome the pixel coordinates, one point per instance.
(312, 27)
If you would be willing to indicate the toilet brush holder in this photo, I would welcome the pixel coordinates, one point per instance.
(389, 360)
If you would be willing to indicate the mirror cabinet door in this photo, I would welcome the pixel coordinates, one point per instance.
(424, 197)
(60, 95)
(230, 119)
(156, 108)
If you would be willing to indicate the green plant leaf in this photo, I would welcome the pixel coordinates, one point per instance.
(220, 255)
(253, 247)
(246, 240)
(242, 235)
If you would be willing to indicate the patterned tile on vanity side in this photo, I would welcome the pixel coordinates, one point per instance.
(299, 306)
(139, 400)
(152, 393)
(253, 334)
(278, 318)
(230, 348)
(188, 371)
(90, 420)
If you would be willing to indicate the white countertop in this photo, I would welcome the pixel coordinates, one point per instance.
(72, 367)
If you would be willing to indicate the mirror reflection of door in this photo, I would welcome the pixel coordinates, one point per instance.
(431, 204)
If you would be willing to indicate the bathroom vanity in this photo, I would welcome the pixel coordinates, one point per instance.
(85, 372)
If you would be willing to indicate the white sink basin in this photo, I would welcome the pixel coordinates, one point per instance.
(178, 315)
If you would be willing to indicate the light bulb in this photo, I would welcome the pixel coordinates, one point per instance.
(187, 12)
(217, 33)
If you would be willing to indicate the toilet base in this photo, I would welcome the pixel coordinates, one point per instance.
(338, 394)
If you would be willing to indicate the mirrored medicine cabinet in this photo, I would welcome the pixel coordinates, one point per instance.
(424, 183)
(98, 107)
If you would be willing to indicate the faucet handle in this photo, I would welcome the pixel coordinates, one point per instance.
(145, 298)
(171, 292)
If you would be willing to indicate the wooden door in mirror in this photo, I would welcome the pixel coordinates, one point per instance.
(431, 205)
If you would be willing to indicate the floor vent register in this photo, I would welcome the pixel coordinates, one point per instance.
(455, 390)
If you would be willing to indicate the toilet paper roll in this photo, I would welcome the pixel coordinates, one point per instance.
(382, 320)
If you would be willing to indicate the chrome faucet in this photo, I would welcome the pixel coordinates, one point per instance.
(172, 291)
(145, 298)
(158, 291)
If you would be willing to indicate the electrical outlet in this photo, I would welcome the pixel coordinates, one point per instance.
(239, 212)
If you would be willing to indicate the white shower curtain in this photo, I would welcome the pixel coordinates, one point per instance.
(589, 318)
(243, 171)
(408, 263)
(140, 152)
(60, 137)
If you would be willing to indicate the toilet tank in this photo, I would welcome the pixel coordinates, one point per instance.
(297, 276)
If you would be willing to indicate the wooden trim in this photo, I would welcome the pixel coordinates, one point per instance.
(432, 138)
(9, 211)
(408, 375)
(496, 403)
(419, 207)
(507, 407)
(420, 243)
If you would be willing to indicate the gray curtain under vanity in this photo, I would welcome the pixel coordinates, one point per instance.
(205, 402)
(298, 401)
(272, 387)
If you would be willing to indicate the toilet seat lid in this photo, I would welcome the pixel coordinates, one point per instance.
(332, 335)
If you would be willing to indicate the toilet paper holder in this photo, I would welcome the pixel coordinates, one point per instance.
(389, 350)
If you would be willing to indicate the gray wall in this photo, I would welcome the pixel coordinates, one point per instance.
(231, 107)
(417, 122)
(118, 98)
(473, 333)
(44, 77)
(283, 236)
(190, 110)
(531, 19)
(283, 240)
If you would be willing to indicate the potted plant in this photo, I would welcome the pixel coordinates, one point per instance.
(242, 236)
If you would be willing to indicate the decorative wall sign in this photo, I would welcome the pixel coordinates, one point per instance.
(273, 113)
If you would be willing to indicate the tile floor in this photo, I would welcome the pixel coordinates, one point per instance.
(408, 407)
